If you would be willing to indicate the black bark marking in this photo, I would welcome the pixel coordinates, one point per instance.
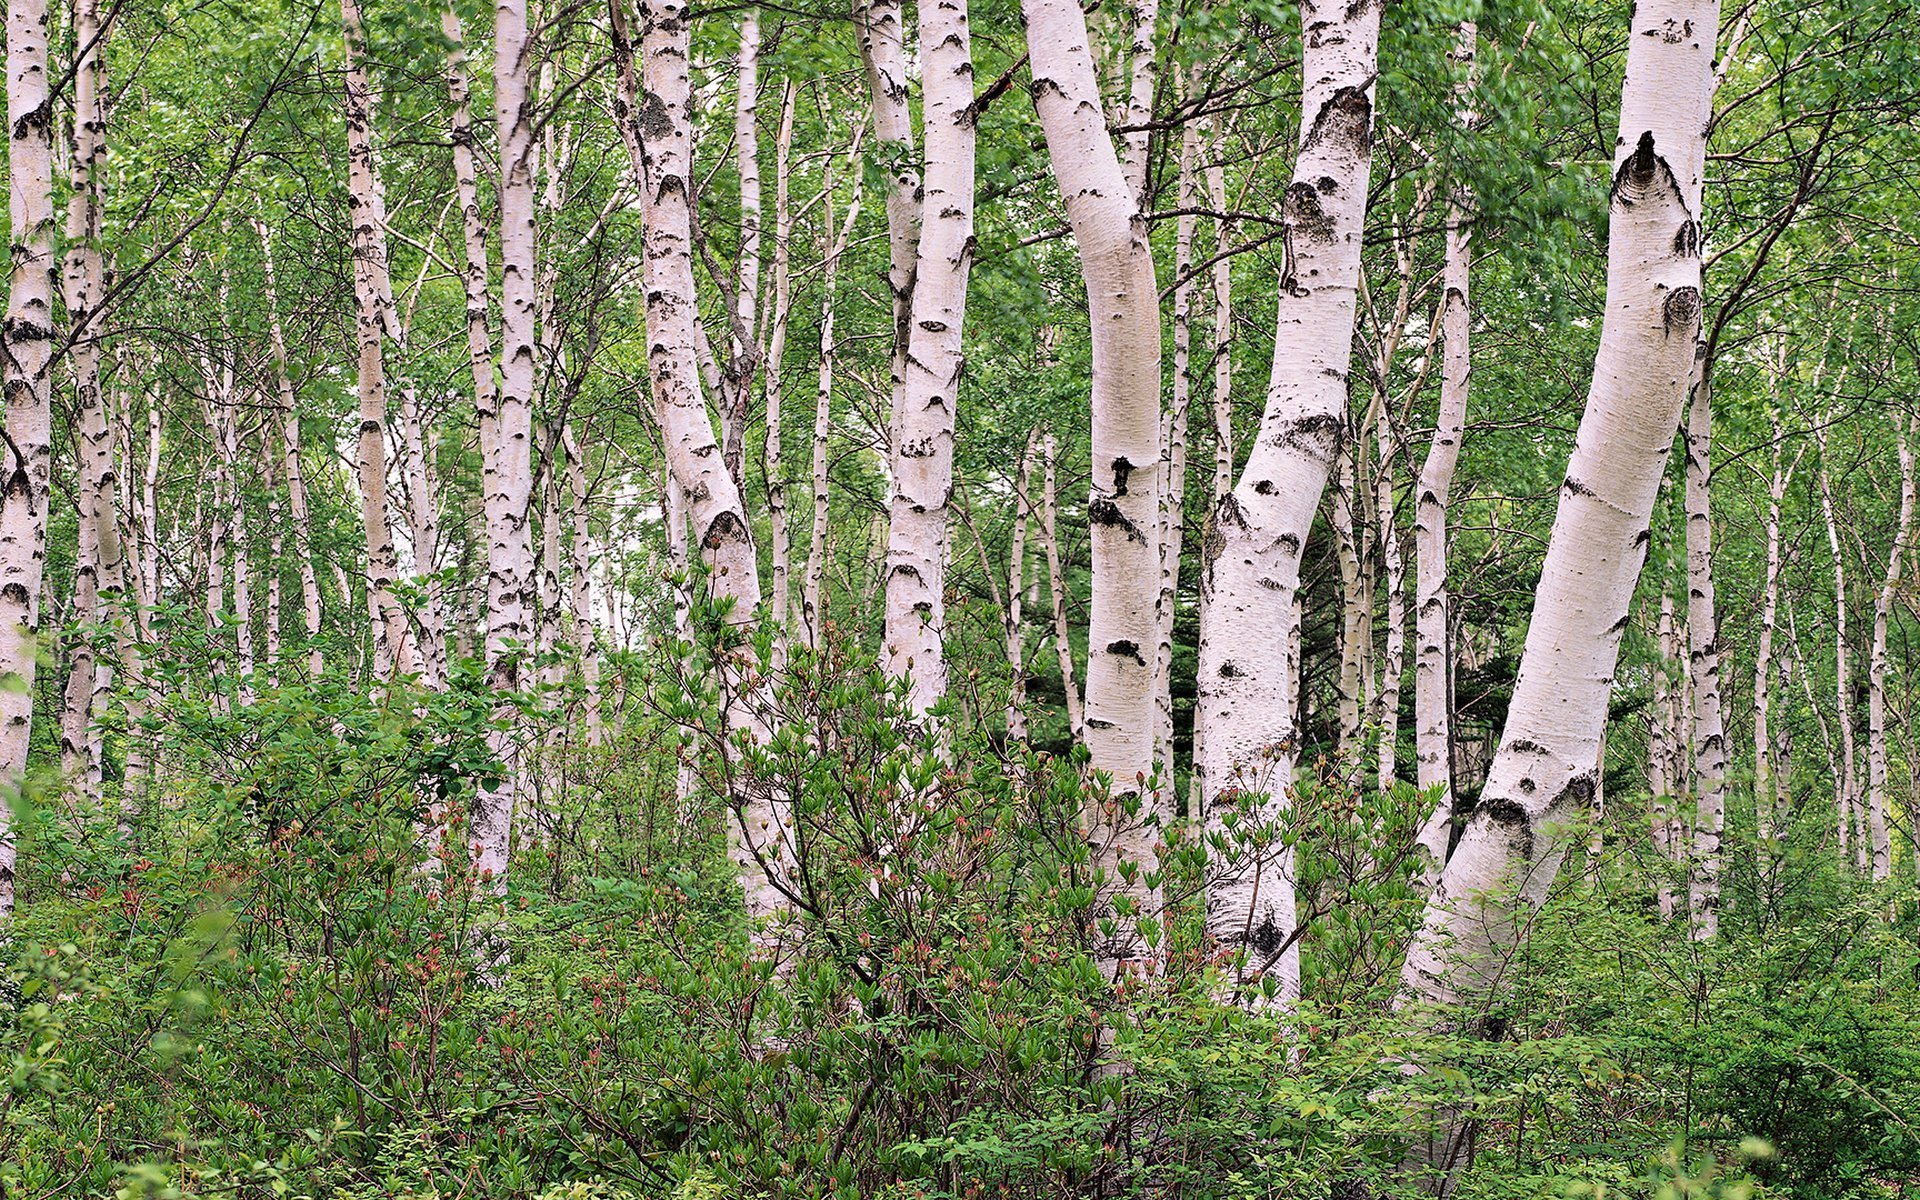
(1127, 649)
(1682, 312)
(1122, 471)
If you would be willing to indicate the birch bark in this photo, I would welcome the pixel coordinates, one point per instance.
(373, 323)
(288, 415)
(1849, 782)
(1879, 846)
(1543, 773)
(1251, 564)
(1123, 508)
(506, 421)
(96, 578)
(1707, 724)
(656, 121)
(928, 398)
(28, 338)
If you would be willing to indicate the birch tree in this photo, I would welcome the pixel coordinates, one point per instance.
(1543, 773)
(28, 337)
(373, 323)
(928, 396)
(1251, 564)
(1123, 509)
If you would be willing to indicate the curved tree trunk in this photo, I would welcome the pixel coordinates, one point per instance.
(1123, 509)
(656, 123)
(1251, 565)
(1433, 658)
(1544, 772)
(1849, 780)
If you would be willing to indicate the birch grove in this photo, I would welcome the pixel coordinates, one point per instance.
(720, 582)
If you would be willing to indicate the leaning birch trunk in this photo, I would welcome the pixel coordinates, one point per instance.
(1543, 773)
(1849, 782)
(1123, 509)
(1016, 626)
(80, 735)
(1706, 722)
(1879, 845)
(1433, 660)
(928, 400)
(506, 428)
(586, 640)
(28, 337)
(1172, 520)
(289, 418)
(657, 124)
(1251, 565)
(372, 324)
(1057, 589)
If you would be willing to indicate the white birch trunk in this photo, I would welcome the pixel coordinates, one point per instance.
(1433, 657)
(1393, 658)
(506, 428)
(1662, 746)
(95, 578)
(1123, 508)
(28, 335)
(1765, 788)
(780, 536)
(656, 120)
(1707, 723)
(1251, 566)
(373, 323)
(586, 640)
(1543, 774)
(288, 415)
(1140, 64)
(1173, 518)
(1016, 621)
(921, 464)
(813, 610)
(1057, 588)
(1849, 784)
(1879, 845)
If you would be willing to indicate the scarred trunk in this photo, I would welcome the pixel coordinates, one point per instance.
(1251, 564)
(656, 122)
(1543, 773)
(96, 576)
(921, 463)
(1123, 508)
(28, 336)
